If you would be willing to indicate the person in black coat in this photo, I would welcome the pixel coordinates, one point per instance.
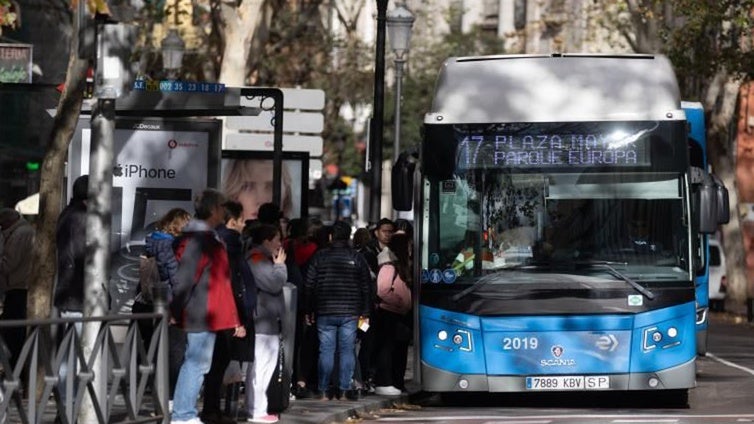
(227, 347)
(338, 295)
(70, 240)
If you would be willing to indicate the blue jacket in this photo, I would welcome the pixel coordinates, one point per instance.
(161, 246)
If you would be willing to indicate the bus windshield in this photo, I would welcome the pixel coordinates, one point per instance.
(556, 220)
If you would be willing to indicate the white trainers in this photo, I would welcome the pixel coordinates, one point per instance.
(387, 391)
(194, 420)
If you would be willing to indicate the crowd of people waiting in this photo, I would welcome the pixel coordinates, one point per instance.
(223, 278)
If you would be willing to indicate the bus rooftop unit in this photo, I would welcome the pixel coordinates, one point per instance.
(556, 222)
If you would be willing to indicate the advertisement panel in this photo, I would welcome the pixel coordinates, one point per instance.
(157, 165)
(247, 178)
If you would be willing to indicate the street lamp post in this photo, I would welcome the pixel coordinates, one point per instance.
(375, 133)
(173, 48)
(399, 23)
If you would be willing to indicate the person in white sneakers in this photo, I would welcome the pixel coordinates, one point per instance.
(392, 317)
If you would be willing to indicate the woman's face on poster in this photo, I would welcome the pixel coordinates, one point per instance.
(257, 188)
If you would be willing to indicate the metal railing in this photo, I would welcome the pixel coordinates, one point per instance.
(52, 375)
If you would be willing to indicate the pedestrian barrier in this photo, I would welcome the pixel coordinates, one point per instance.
(133, 386)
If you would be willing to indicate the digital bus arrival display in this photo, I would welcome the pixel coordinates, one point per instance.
(501, 150)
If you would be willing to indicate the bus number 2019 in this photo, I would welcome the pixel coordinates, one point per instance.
(520, 343)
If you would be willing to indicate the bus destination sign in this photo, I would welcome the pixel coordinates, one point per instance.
(546, 150)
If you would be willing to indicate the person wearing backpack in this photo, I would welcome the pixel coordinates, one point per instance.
(371, 249)
(159, 248)
(392, 319)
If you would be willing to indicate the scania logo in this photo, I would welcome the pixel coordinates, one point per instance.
(557, 362)
(557, 351)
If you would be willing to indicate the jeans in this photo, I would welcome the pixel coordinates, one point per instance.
(336, 331)
(196, 363)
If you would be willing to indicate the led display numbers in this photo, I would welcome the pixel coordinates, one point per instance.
(549, 150)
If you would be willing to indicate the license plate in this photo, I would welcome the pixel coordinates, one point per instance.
(568, 382)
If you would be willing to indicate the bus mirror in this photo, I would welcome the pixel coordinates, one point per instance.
(723, 207)
(708, 209)
(402, 182)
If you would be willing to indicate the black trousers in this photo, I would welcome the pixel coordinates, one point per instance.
(14, 308)
(176, 352)
(306, 348)
(367, 351)
(213, 380)
(392, 349)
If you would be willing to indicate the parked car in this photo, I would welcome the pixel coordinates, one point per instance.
(718, 285)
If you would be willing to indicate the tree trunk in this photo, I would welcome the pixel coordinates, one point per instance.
(720, 100)
(239, 24)
(51, 180)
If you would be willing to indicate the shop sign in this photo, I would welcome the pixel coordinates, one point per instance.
(15, 63)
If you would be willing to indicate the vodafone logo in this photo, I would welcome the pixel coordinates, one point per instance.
(173, 143)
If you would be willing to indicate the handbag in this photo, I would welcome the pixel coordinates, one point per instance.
(242, 348)
(389, 295)
(279, 390)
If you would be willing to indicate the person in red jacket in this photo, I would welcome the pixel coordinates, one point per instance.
(200, 302)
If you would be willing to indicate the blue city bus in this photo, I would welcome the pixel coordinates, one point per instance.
(697, 139)
(698, 158)
(556, 216)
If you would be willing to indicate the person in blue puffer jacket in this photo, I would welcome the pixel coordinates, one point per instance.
(160, 245)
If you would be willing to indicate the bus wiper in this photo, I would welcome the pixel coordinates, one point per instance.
(483, 280)
(609, 265)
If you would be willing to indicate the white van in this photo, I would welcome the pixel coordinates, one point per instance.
(717, 282)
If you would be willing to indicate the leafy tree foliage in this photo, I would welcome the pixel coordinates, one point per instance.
(7, 15)
(709, 43)
(419, 82)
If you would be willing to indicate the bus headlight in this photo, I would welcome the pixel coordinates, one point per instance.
(442, 335)
(655, 336)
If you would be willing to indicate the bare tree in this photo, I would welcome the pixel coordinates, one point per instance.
(237, 21)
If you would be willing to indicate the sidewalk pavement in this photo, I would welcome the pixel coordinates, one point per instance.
(310, 411)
